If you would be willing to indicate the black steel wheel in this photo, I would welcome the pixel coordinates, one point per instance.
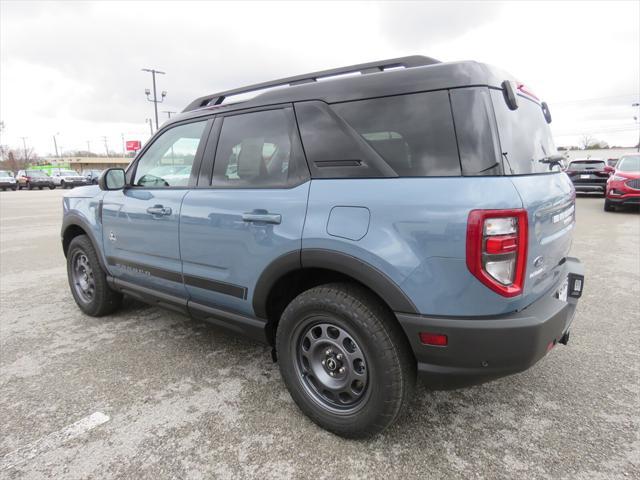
(332, 366)
(345, 359)
(88, 281)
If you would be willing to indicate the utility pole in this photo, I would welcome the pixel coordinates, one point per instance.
(24, 145)
(637, 119)
(88, 146)
(106, 145)
(155, 97)
(168, 112)
(55, 144)
(150, 122)
(124, 152)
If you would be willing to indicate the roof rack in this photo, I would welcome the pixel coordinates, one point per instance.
(363, 68)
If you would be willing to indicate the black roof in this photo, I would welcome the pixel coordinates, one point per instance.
(417, 74)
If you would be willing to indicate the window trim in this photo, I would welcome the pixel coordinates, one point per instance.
(299, 176)
(130, 173)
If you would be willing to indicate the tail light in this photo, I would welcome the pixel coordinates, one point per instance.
(497, 249)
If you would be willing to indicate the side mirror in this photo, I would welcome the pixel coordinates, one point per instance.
(112, 179)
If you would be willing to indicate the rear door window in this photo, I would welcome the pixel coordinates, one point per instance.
(525, 137)
(258, 150)
(413, 133)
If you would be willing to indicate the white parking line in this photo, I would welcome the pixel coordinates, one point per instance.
(53, 440)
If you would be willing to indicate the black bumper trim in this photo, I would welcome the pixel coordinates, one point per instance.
(481, 349)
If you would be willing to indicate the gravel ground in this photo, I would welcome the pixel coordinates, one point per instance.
(151, 394)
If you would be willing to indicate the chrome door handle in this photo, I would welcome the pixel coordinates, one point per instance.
(262, 217)
(159, 210)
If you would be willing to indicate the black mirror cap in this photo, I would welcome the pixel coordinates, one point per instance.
(510, 96)
(112, 179)
(546, 112)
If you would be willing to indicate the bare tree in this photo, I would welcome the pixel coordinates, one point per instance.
(586, 141)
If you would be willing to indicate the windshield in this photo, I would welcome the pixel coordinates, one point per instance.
(525, 137)
(629, 164)
(36, 173)
(67, 172)
(4, 173)
(587, 165)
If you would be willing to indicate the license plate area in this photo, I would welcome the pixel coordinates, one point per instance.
(563, 291)
(585, 176)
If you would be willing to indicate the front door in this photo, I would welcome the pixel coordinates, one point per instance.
(249, 213)
(141, 222)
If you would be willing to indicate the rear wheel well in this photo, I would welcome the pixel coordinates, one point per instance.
(71, 232)
(292, 284)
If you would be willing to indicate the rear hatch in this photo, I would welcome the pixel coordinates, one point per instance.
(547, 194)
(587, 171)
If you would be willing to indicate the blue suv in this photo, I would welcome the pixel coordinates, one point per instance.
(372, 223)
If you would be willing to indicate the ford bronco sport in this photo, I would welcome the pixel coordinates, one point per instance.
(409, 220)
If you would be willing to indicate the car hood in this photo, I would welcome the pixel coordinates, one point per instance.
(89, 191)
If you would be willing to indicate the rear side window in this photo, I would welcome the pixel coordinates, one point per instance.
(525, 137)
(413, 133)
(257, 150)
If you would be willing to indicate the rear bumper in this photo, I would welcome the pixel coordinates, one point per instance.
(485, 348)
(590, 187)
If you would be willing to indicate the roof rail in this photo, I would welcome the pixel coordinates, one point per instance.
(363, 68)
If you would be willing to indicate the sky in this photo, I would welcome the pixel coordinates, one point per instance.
(73, 69)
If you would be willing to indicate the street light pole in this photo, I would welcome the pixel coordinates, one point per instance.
(150, 122)
(55, 144)
(24, 145)
(637, 118)
(155, 96)
(106, 146)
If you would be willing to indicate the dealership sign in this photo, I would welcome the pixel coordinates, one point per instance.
(133, 145)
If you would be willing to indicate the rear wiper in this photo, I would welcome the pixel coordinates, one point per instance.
(552, 160)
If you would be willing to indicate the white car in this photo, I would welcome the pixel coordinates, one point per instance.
(7, 180)
(64, 178)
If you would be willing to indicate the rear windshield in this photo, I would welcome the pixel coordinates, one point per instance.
(525, 137)
(36, 173)
(587, 165)
(629, 164)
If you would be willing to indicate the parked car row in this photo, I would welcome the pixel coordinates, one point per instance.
(617, 181)
(59, 177)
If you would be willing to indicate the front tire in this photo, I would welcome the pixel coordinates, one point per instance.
(29, 186)
(345, 360)
(608, 207)
(88, 281)
(52, 187)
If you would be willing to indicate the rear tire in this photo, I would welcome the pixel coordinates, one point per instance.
(63, 185)
(88, 281)
(343, 330)
(52, 187)
(29, 186)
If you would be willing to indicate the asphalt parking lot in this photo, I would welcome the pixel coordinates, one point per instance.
(147, 393)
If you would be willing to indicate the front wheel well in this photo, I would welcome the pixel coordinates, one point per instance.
(292, 284)
(71, 232)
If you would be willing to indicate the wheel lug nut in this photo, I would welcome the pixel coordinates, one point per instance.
(323, 362)
(341, 370)
(339, 356)
(332, 374)
(328, 352)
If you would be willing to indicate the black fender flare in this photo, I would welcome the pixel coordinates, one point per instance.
(368, 275)
(74, 220)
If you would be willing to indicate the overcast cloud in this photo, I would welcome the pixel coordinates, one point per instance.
(74, 68)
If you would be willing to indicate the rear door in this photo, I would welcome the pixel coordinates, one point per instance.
(547, 195)
(249, 212)
(141, 222)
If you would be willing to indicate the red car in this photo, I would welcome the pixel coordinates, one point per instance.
(623, 186)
